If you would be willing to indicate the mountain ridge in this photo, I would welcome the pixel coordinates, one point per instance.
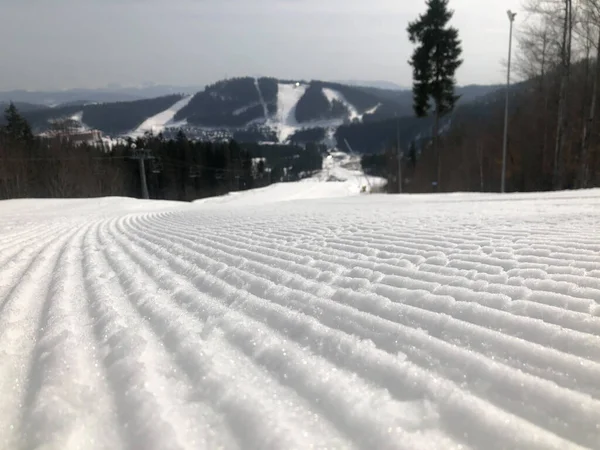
(249, 109)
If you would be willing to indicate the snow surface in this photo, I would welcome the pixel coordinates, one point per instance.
(335, 95)
(341, 176)
(332, 95)
(288, 96)
(373, 110)
(285, 122)
(413, 322)
(78, 117)
(343, 167)
(261, 99)
(161, 121)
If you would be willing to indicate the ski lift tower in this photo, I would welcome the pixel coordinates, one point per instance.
(142, 155)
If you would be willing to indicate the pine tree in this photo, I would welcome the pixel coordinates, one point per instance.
(412, 154)
(260, 169)
(17, 127)
(434, 62)
(180, 137)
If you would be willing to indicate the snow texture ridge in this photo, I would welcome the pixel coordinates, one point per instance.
(459, 321)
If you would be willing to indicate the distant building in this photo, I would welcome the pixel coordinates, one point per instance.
(77, 136)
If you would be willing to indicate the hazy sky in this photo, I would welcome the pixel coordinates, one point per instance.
(47, 44)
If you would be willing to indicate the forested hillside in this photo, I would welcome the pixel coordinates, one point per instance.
(24, 107)
(258, 110)
(111, 118)
(177, 169)
(314, 106)
(553, 128)
(231, 103)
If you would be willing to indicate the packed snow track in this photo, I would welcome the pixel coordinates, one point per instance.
(375, 322)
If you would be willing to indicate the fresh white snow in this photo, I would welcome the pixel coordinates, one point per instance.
(459, 321)
(159, 122)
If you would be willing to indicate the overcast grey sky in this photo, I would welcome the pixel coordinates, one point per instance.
(48, 44)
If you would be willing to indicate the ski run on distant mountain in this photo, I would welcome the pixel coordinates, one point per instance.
(248, 109)
(158, 123)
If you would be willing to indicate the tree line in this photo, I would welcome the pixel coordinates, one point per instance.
(231, 103)
(178, 169)
(553, 126)
(111, 118)
(554, 138)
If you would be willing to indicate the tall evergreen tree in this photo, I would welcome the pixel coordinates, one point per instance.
(17, 128)
(435, 61)
(412, 154)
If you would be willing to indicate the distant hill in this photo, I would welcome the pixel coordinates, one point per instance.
(112, 118)
(477, 102)
(404, 97)
(286, 107)
(262, 109)
(23, 106)
(100, 95)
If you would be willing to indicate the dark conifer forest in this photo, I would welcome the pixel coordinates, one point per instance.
(177, 169)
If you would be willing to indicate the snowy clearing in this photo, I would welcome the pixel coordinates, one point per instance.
(333, 95)
(336, 96)
(288, 96)
(413, 322)
(159, 122)
(285, 122)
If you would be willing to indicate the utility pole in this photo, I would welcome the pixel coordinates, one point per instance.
(142, 155)
(511, 18)
(400, 157)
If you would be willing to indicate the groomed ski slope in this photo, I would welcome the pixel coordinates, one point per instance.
(376, 322)
(344, 168)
